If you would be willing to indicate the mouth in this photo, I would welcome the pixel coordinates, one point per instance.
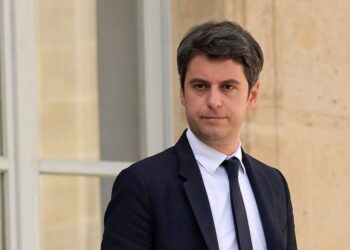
(213, 117)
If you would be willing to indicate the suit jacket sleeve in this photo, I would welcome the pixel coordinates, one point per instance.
(127, 222)
(290, 227)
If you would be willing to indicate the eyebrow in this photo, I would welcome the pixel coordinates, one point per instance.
(231, 81)
(197, 80)
(228, 81)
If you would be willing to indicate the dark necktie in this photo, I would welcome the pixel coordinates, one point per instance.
(238, 210)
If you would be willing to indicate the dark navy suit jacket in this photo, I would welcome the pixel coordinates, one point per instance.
(160, 203)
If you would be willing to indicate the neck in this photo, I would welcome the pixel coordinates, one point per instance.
(227, 149)
(225, 144)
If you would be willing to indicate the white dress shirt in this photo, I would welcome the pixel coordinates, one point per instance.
(218, 191)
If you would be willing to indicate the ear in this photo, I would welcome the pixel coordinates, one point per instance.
(182, 95)
(253, 95)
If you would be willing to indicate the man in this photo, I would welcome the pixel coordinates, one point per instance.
(205, 192)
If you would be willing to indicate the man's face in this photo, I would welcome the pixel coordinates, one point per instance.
(215, 96)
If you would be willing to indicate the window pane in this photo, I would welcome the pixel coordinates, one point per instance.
(88, 80)
(71, 212)
(2, 219)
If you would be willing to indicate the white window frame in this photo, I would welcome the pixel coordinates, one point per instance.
(7, 161)
(21, 166)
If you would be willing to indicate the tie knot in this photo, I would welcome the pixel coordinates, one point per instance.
(231, 166)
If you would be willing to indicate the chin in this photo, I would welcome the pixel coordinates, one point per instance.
(211, 136)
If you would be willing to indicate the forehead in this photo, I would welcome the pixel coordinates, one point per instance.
(200, 66)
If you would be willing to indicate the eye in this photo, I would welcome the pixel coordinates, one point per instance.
(228, 86)
(199, 86)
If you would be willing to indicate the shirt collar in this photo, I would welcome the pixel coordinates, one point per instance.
(208, 157)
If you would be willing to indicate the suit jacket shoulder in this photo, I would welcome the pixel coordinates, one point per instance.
(163, 162)
(272, 174)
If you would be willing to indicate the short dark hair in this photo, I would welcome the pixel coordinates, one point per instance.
(221, 40)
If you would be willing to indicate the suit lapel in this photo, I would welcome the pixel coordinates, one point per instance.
(264, 198)
(195, 191)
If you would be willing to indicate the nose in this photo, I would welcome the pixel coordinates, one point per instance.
(214, 99)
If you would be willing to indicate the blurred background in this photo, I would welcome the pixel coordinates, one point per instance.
(89, 86)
